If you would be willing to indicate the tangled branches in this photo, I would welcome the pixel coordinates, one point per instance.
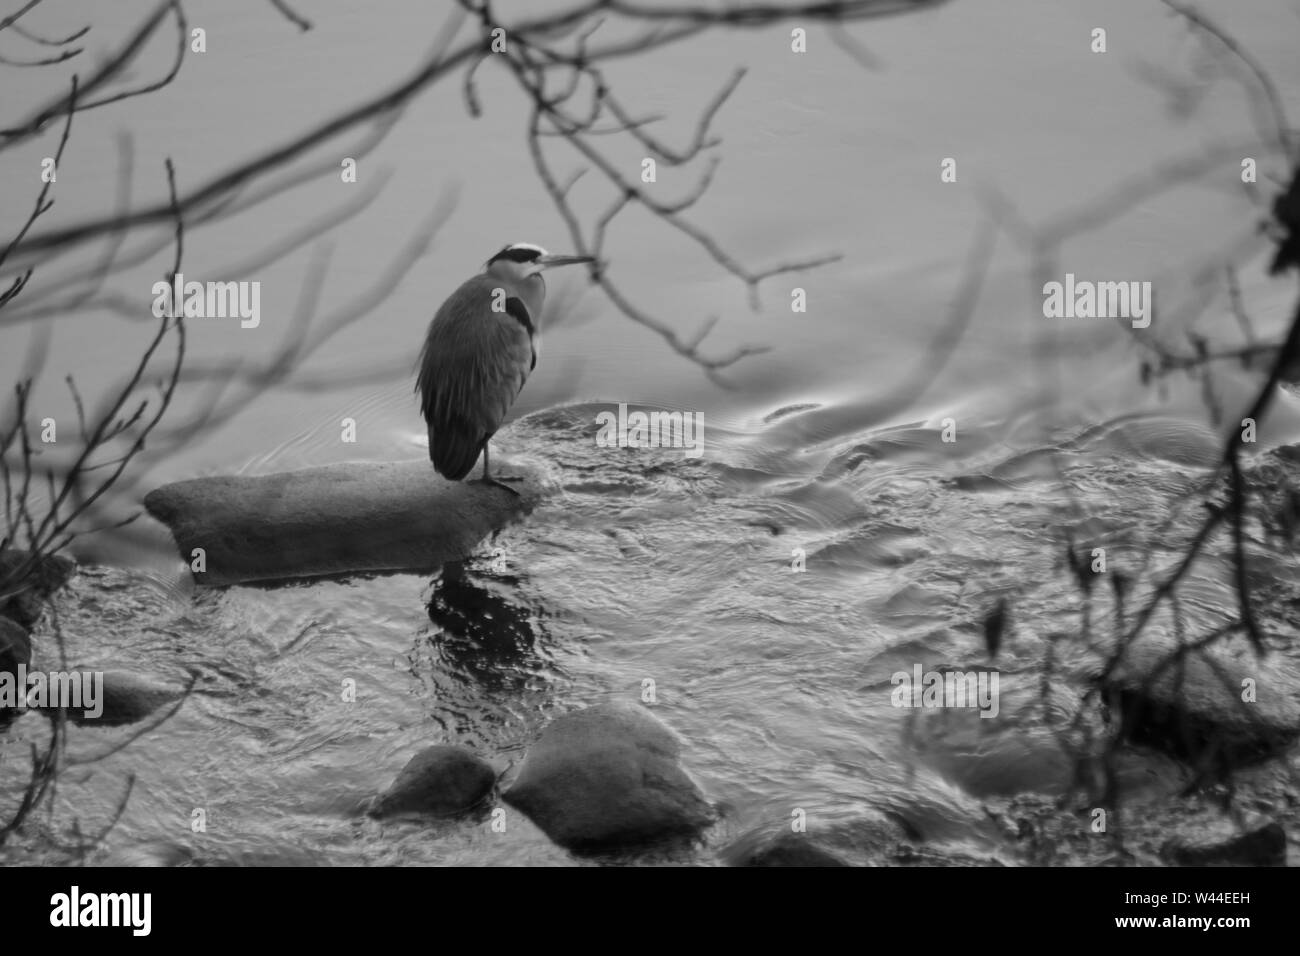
(559, 68)
(1144, 598)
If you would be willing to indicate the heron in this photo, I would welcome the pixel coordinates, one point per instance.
(481, 346)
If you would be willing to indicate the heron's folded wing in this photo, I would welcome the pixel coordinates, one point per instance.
(475, 361)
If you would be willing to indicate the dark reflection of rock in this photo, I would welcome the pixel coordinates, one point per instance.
(485, 632)
(15, 649)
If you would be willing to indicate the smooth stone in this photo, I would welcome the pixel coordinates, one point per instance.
(1203, 719)
(127, 698)
(1262, 843)
(44, 577)
(608, 776)
(442, 779)
(337, 519)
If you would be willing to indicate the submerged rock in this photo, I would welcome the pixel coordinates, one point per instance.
(335, 519)
(1021, 745)
(279, 854)
(126, 698)
(1198, 711)
(608, 776)
(156, 853)
(786, 849)
(166, 853)
(441, 779)
(927, 823)
(1261, 843)
(39, 581)
(1036, 742)
(1273, 480)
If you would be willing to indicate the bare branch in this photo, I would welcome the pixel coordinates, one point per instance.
(47, 61)
(115, 65)
(27, 34)
(289, 14)
(437, 66)
(41, 205)
(1281, 126)
(14, 17)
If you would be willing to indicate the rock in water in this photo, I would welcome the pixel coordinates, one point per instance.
(335, 519)
(1201, 714)
(39, 579)
(787, 849)
(1261, 843)
(608, 776)
(126, 699)
(158, 853)
(441, 779)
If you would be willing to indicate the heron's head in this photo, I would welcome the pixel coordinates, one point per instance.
(523, 260)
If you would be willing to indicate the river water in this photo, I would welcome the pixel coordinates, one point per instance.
(653, 565)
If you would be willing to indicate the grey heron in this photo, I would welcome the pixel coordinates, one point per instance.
(481, 346)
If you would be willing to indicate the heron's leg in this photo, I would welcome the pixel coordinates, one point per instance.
(487, 474)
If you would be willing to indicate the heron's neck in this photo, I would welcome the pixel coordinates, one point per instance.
(532, 291)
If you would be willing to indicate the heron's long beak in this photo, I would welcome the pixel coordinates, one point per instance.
(549, 261)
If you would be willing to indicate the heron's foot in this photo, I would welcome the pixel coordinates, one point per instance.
(501, 482)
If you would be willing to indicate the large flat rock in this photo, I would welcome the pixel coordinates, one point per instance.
(337, 519)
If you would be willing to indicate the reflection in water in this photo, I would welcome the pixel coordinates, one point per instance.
(485, 633)
(650, 565)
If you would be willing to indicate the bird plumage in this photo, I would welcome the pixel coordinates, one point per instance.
(474, 363)
(481, 346)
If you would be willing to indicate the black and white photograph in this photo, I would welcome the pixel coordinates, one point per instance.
(651, 434)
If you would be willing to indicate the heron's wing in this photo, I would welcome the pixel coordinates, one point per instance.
(474, 363)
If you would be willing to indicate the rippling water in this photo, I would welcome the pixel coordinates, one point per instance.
(652, 565)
